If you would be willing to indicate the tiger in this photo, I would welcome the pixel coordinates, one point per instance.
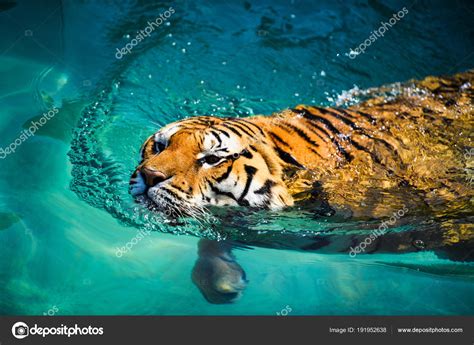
(368, 158)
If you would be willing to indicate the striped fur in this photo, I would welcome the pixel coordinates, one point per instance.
(372, 154)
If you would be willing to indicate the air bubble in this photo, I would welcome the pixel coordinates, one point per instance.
(419, 244)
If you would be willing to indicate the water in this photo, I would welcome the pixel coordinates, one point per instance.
(65, 209)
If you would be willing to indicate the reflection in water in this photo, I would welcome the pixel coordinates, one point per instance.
(216, 273)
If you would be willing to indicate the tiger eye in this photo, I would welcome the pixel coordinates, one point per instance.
(159, 147)
(212, 159)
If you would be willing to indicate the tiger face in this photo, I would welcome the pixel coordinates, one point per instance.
(208, 161)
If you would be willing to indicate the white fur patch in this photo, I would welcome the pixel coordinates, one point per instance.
(211, 145)
(164, 134)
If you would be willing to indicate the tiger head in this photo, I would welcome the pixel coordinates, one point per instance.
(208, 161)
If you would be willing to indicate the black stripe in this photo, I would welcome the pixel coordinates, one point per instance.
(242, 123)
(246, 154)
(173, 194)
(226, 174)
(355, 127)
(216, 135)
(278, 138)
(321, 129)
(298, 131)
(170, 201)
(304, 136)
(200, 141)
(179, 188)
(373, 156)
(253, 124)
(266, 189)
(287, 158)
(224, 132)
(232, 129)
(343, 119)
(334, 113)
(250, 170)
(346, 155)
(367, 116)
(315, 152)
(308, 115)
(242, 128)
(202, 194)
(360, 147)
(219, 192)
(385, 143)
(222, 150)
(313, 117)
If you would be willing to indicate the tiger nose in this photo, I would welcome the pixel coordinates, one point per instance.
(152, 176)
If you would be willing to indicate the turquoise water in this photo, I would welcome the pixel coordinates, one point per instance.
(64, 204)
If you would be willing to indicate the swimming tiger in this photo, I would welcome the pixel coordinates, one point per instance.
(370, 158)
